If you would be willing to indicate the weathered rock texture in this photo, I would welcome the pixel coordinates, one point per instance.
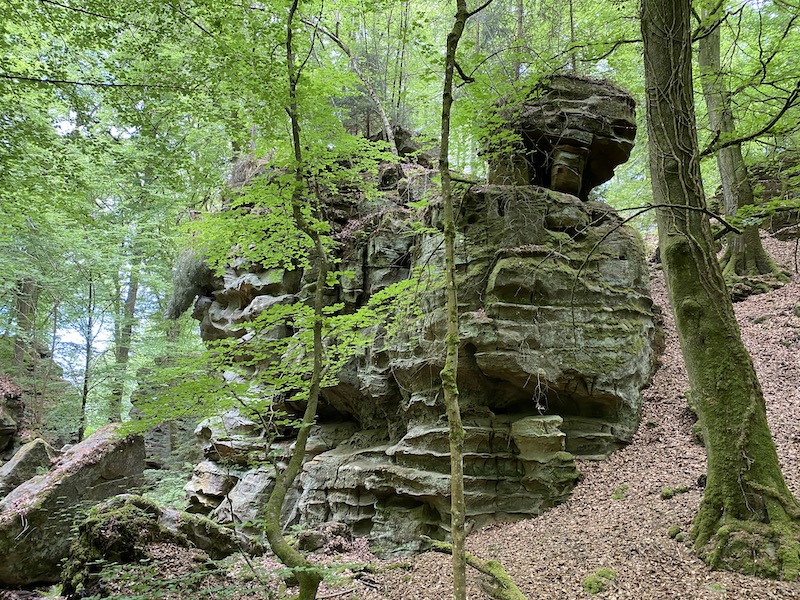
(557, 335)
(568, 134)
(30, 460)
(778, 178)
(36, 518)
(121, 529)
(11, 413)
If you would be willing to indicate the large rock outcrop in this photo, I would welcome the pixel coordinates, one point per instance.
(567, 134)
(557, 332)
(36, 518)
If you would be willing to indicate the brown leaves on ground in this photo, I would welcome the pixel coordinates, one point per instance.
(8, 389)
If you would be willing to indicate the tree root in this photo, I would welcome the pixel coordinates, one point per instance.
(770, 550)
(744, 286)
(496, 582)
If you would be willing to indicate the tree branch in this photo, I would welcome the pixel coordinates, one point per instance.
(613, 48)
(193, 22)
(715, 145)
(464, 77)
(479, 9)
(40, 81)
(504, 587)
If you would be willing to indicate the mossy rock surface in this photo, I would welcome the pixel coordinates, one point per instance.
(120, 531)
(37, 517)
(115, 531)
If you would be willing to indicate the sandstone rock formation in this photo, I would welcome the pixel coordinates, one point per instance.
(36, 518)
(568, 134)
(776, 178)
(11, 413)
(30, 460)
(557, 336)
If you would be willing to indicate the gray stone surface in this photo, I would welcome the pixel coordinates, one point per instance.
(11, 415)
(568, 134)
(30, 460)
(557, 339)
(36, 518)
(121, 529)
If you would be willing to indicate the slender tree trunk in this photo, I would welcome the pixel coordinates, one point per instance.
(399, 108)
(520, 15)
(450, 371)
(744, 255)
(306, 573)
(748, 520)
(37, 416)
(572, 56)
(88, 349)
(122, 344)
(25, 312)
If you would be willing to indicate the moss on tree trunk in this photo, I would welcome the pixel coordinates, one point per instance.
(748, 520)
(450, 371)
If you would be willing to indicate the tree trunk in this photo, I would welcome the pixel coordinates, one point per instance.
(87, 358)
(744, 255)
(306, 573)
(24, 337)
(450, 371)
(520, 17)
(123, 335)
(573, 63)
(748, 520)
(38, 407)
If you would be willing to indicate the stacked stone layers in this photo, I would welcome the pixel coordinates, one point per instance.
(568, 134)
(557, 340)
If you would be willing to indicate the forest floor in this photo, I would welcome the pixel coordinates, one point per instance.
(616, 517)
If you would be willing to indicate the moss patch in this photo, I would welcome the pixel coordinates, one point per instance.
(115, 531)
(621, 492)
(597, 582)
(668, 492)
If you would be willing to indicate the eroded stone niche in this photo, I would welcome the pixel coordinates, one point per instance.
(557, 333)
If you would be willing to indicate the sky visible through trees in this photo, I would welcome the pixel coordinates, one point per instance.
(121, 124)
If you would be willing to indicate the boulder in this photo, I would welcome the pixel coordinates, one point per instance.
(120, 530)
(30, 460)
(36, 518)
(209, 485)
(568, 133)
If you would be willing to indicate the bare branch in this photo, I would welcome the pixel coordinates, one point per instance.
(465, 78)
(99, 84)
(479, 9)
(715, 145)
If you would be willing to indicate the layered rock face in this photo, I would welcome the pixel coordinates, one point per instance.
(11, 415)
(568, 134)
(557, 334)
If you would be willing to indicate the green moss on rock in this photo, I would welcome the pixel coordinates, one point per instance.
(115, 531)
